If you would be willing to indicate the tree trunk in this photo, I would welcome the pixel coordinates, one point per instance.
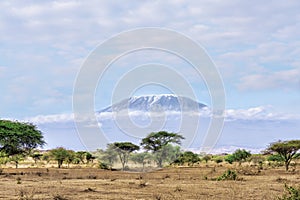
(123, 166)
(160, 160)
(59, 162)
(287, 163)
(143, 167)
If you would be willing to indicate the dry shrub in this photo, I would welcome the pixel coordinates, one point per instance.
(249, 171)
(26, 194)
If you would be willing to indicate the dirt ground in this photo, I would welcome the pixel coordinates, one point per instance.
(169, 183)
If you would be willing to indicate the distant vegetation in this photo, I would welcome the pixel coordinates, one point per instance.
(19, 142)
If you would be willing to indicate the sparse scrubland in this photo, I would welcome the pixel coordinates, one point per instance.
(160, 171)
(209, 180)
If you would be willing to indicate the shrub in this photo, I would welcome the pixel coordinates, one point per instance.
(59, 197)
(275, 158)
(239, 155)
(19, 180)
(187, 157)
(228, 175)
(26, 194)
(206, 158)
(218, 159)
(230, 159)
(292, 193)
(104, 166)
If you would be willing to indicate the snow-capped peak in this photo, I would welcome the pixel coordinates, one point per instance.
(162, 102)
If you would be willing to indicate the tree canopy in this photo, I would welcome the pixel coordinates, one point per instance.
(19, 138)
(124, 149)
(239, 155)
(61, 154)
(157, 142)
(287, 150)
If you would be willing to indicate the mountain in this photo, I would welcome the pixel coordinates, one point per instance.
(155, 103)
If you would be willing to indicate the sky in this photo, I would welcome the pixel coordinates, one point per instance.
(255, 46)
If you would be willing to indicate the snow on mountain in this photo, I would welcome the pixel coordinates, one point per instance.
(155, 103)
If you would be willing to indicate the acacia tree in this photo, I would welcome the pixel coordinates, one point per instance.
(18, 139)
(60, 154)
(287, 150)
(123, 150)
(239, 155)
(156, 141)
(141, 158)
(109, 156)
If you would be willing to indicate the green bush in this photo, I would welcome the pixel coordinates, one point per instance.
(275, 158)
(292, 193)
(228, 175)
(187, 157)
(240, 155)
(218, 159)
(104, 166)
(230, 159)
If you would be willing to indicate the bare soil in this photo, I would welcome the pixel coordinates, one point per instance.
(169, 183)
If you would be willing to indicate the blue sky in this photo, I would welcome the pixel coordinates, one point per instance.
(255, 46)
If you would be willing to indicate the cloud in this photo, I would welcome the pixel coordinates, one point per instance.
(287, 79)
(260, 113)
(46, 119)
(48, 40)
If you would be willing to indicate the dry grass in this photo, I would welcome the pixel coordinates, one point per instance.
(171, 183)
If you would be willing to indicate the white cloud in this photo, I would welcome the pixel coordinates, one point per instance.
(45, 119)
(260, 113)
(282, 79)
(49, 39)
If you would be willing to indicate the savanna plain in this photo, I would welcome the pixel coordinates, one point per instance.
(199, 181)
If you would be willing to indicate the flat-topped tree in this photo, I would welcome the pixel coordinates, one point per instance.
(123, 150)
(287, 150)
(61, 154)
(18, 139)
(156, 141)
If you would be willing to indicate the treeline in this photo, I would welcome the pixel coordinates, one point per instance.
(19, 141)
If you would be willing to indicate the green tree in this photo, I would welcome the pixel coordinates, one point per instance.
(156, 142)
(109, 156)
(239, 155)
(70, 157)
(84, 157)
(46, 157)
(16, 159)
(141, 158)
(287, 150)
(60, 154)
(36, 156)
(80, 155)
(218, 159)
(3, 159)
(18, 139)
(187, 157)
(167, 153)
(89, 157)
(123, 150)
(206, 158)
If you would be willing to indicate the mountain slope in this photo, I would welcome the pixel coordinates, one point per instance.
(156, 103)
